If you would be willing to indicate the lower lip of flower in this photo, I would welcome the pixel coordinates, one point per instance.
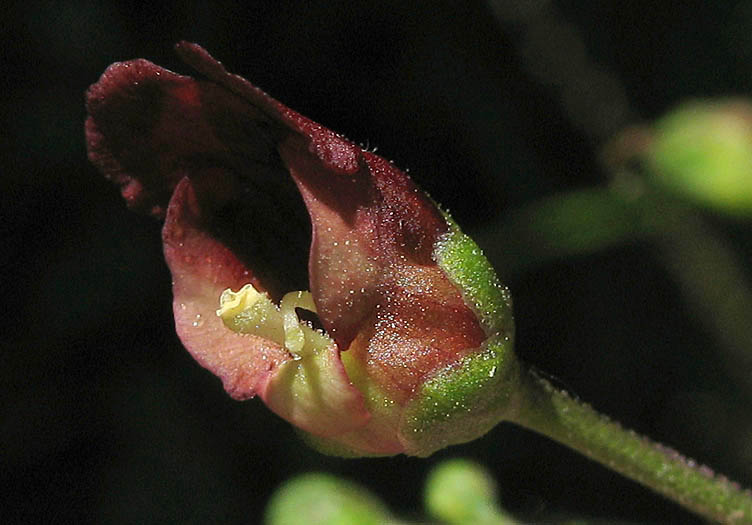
(249, 311)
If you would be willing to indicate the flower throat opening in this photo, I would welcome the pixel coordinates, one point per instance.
(249, 311)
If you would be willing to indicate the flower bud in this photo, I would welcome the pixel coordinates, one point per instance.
(463, 492)
(403, 341)
(323, 499)
(702, 151)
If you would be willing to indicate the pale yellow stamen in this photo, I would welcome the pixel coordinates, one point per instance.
(248, 311)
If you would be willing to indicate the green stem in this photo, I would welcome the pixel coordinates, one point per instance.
(559, 416)
(716, 287)
(568, 224)
(707, 270)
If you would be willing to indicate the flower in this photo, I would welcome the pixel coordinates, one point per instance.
(415, 347)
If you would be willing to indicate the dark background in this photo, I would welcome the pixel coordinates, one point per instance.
(105, 418)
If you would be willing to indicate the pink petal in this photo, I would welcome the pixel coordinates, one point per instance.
(201, 269)
(317, 397)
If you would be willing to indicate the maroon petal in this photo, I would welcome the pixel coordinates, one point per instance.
(202, 268)
(149, 127)
(364, 227)
(366, 214)
(337, 154)
(145, 129)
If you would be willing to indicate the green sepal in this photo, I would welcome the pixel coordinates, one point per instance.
(467, 399)
(464, 401)
(464, 263)
(458, 403)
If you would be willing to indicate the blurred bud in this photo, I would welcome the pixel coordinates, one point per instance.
(322, 499)
(462, 492)
(702, 151)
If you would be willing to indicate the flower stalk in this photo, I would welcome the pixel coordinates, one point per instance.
(571, 422)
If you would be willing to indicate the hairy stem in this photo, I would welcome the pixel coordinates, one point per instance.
(559, 416)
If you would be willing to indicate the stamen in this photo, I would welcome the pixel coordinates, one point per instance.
(294, 336)
(298, 332)
(248, 311)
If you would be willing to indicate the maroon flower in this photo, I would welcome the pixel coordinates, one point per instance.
(226, 166)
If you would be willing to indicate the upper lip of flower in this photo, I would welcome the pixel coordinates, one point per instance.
(148, 128)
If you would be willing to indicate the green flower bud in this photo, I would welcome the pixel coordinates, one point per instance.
(461, 492)
(322, 499)
(702, 151)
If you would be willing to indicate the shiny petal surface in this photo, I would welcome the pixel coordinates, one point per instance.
(201, 269)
